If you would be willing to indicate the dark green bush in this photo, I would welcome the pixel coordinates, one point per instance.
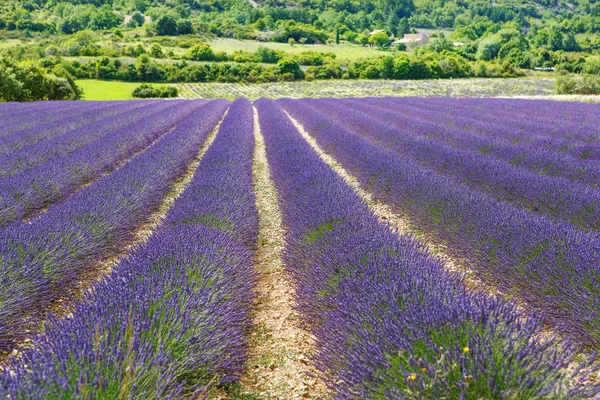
(145, 91)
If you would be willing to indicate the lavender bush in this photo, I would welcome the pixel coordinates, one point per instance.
(550, 265)
(557, 197)
(24, 194)
(42, 261)
(172, 319)
(390, 321)
(423, 122)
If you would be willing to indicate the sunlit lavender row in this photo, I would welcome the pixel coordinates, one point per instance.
(129, 240)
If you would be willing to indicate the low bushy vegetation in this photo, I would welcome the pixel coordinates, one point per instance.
(27, 81)
(586, 84)
(145, 91)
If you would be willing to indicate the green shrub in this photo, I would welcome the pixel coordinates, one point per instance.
(578, 84)
(145, 91)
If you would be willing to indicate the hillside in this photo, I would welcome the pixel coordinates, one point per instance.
(353, 15)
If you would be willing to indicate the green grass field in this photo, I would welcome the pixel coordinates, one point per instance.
(346, 52)
(8, 43)
(94, 89)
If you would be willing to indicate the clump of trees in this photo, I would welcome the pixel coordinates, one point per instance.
(146, 91)
(28, 81)
(585, 84)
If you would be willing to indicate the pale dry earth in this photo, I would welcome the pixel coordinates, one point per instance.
(279, 365)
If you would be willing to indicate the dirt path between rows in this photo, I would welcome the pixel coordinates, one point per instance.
(103, 268)
(279, 357)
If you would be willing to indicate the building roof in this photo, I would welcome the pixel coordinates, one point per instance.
(414, 36)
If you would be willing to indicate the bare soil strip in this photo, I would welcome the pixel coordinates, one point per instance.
(279, 363)
(102, 268)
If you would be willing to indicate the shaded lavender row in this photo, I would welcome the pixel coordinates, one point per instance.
(17, 161)
(31, 191)
(174, 316)
(578, 138)
(53, 127)
(548, 264)
(557, 197)
(20, 115)
(41, 261)
(569, 139)
(540, 161)
(578, 121)
(390, 321)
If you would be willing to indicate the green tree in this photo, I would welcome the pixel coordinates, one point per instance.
(488, 49)
(401, 67)
(401, 8)
(403, 27)
(555, 40)
(419, 69)
(156, 51)
(392, 23)
(379, 39)
(28, 81)
(362, 39)
(267, 55)
(370, 72)
(105, 18)
(137, 19)
(166, 26)
(289, 65)
(142, 5)
(184, 27)
(200, 52)
(387, 67)
(570, 43)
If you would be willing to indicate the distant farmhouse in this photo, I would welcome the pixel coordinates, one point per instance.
(413, 40)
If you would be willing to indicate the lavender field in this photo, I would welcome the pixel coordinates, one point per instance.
(373, 248)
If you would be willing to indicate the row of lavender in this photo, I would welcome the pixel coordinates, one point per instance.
(41, 261)
(443, 128)
(173, 318)
(571, 129)
(18, 116)
(55, 168)
(88, 126)
(390, 321)
(557, 197)
(549, 264)
(38, 128)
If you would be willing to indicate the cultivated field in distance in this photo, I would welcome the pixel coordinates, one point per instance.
(356, 248)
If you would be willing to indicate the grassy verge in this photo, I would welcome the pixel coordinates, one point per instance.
(344, 51)
(94, 89)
